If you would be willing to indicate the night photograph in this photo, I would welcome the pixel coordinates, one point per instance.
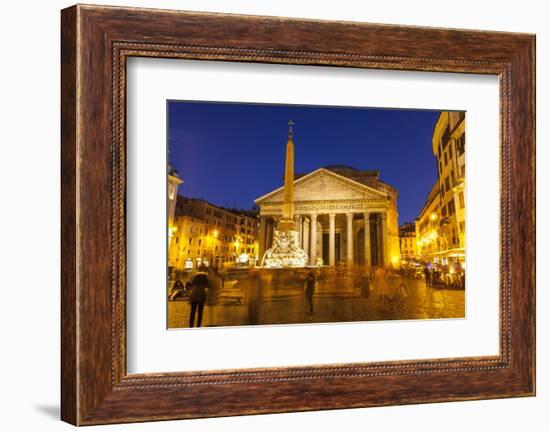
(292, 214)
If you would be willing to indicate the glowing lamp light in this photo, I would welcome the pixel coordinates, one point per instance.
(243, 258)
(433, 216)
(451, 269)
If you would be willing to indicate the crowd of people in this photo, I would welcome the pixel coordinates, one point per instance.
(441, 277)
(388, 286)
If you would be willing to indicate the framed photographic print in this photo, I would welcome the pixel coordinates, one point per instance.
(269, 215)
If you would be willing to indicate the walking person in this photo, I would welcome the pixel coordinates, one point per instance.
(400, 296)
(382, 285)
(310, 290)
(365, 285)
(428, 276)
(197, 298)
(254, 297)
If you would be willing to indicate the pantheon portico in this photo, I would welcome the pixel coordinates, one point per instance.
(343, 215)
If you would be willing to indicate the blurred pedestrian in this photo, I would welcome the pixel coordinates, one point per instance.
(428, 276)
(252, 286)
(310, 290)
(365, 285)
(399, 297)
(401, 293)
(382, 285)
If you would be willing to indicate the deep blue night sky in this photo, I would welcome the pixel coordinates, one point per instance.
(231, 154)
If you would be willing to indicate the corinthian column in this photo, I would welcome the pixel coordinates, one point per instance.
(305, 235)
(262, 239)
(313, 240)
(331, 240)
(384, 227)
(366, 217)
(298, 223)
(349, 226)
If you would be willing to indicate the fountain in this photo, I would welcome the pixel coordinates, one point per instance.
(285, 251)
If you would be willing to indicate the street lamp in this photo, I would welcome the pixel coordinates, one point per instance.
(395, 261)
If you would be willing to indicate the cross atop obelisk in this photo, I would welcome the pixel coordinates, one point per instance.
(287, 219)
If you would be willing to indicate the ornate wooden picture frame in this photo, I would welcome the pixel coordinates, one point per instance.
(96, 41)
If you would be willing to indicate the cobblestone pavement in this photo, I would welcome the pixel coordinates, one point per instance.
(335, 300)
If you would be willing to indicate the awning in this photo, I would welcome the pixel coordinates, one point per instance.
(452, 252)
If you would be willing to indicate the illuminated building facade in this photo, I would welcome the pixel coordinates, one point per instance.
(173, 183)
(408, 241)
(343, 215)
(203, 233)
(441, 225)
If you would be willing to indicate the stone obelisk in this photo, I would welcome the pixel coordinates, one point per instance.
(285, 251)
(286, 222)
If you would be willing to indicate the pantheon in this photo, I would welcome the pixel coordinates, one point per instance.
(344, 216)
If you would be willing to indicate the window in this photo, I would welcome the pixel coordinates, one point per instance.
(451, 207)
(461, 199)
(446, 137)
(200, 240)
(461, 144)
(447, 184)
(190, 241)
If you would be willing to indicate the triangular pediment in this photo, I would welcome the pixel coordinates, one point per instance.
(323, 184)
